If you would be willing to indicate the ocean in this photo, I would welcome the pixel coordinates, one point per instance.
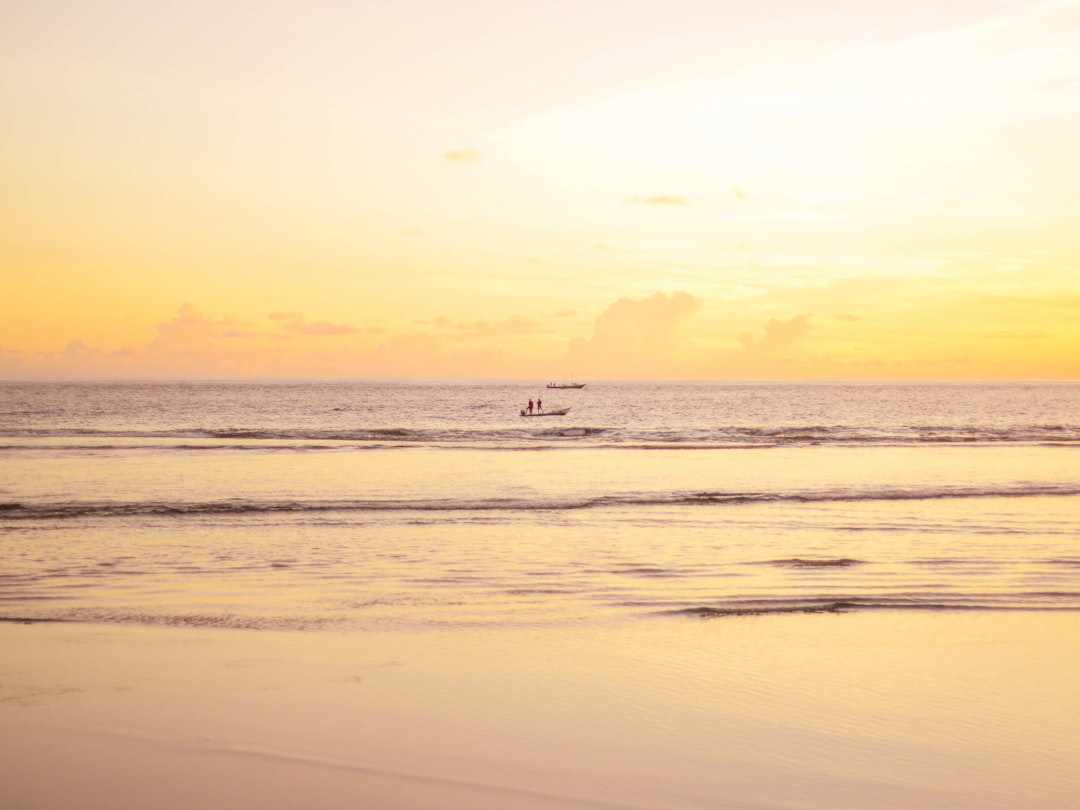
(357, 505)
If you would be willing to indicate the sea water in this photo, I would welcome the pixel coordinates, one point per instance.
(352, 505)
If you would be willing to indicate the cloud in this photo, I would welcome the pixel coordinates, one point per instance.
(296, 324)
(187, 331)
(778, 337)
(77, 350)
(76, 360)
(447, 323)
(191, 344)
(776, 352)
(659, 199)
(1021, 334)
(782, 216)
(323, 328)
(486, 329)
(636, 338)
(845, 317)
(666, 199)
(187, 345)
(463, 156)
(738, 192)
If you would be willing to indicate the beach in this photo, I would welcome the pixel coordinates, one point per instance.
(831, 711)
(403, 595)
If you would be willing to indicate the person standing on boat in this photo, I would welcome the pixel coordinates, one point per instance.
(530, 407)
(539, 405)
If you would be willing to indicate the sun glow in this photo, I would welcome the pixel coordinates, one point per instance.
(914, 176)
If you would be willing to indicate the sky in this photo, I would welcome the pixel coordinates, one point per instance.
(497, 189)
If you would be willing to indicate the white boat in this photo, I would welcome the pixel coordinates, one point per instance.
(566, 385)
(555, 412)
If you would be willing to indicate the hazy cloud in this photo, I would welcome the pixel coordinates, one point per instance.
(776, 352)
(777, 337)
(1021, 334)
(188, 330)
(738, 192)
(659, 199)
(189, 344)
(959, 360)
(485, 329)
(323, 328)
(295, 323)
(447, 323)
(636, 338)
(76, 349)
(463, 156)
(666, 199)
(845, 317)
(782, 216)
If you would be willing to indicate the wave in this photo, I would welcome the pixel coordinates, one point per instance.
(499, 437)
(224, 621)
(186, 446)
(240, 506)
(710, 612)
(802, 562)
(831, 605)
(1044, 602)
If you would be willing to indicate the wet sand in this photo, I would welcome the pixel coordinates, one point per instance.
(882, 710)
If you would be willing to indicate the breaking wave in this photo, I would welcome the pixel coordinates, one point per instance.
(229, 621)
(720, 437)
(801, 562)
(826, 605)
(239, 506)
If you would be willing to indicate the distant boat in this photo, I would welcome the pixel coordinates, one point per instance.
(566, 385)
(556, 412)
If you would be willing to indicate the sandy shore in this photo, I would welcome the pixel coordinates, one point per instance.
(946, 710)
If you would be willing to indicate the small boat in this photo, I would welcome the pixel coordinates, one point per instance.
(566, 385)
(555, 412)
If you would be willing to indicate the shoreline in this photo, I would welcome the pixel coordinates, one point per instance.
(812, 711)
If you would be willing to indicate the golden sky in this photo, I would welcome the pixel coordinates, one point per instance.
(489, 188)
